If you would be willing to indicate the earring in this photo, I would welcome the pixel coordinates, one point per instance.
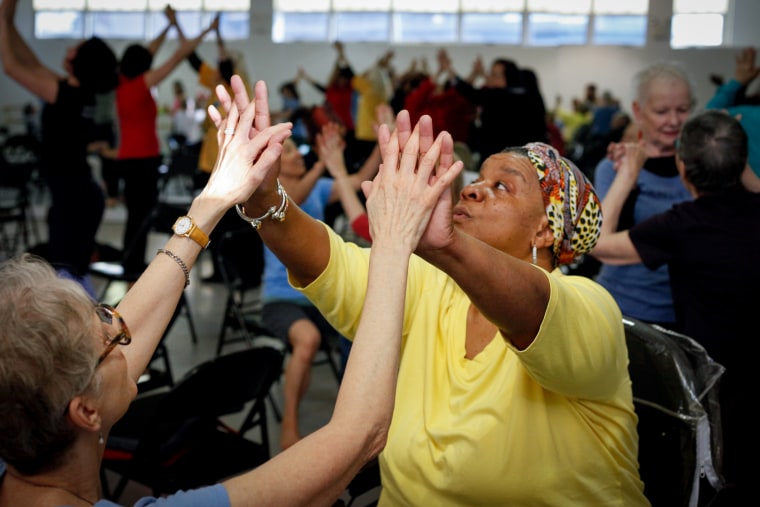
(101, 440)
(534, 254)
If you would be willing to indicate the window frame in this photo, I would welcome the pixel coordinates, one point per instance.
(465, 12)
(80, 19)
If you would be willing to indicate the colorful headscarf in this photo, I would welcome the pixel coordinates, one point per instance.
(572, 206)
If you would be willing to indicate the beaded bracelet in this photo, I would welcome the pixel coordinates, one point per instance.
(274, 212)
(179, 262)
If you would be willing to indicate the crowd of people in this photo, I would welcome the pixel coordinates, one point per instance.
(511, 363)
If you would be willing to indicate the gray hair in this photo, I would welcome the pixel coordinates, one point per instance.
(47, 357)
(673, 71)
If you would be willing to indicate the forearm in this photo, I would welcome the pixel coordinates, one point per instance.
(612, 204)
(346, 192)
(616, 249)
(725, 95)
(300, 242)
(156, 43)
(22, 65)
(14, 47)
(750, 180)
(357, 431)
(367, 393)
(299, 190)
(155, 76)
(149, 305)
(509, 292)
(221, 50)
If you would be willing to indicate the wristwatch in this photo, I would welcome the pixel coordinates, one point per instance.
(184, 226)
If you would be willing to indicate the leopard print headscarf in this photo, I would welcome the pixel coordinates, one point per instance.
(572, 206)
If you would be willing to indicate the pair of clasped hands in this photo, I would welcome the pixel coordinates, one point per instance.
(406, 201)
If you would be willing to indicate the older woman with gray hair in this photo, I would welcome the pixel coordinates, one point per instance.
(664, 100)
(513, 381)
(68, 367)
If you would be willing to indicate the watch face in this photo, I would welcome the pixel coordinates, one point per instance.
(183, 225)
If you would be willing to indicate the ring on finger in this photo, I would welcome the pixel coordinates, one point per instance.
(229, 131)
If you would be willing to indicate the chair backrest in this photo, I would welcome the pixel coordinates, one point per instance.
(19, 156)
(675, 392)
(215, 388)
(241, 258)
(160, 219)
(176, 440)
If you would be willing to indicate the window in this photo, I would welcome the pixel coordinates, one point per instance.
(135, 19)
(697, 23)
(530, 22)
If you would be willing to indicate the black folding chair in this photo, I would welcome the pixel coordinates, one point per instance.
(178, 439)
(18, 169)
(111, 265)
(675, 394)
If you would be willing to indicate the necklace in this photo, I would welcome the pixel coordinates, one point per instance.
(50, 486)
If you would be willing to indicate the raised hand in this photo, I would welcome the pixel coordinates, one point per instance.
(631, 160)
(411, 187)
(170, 14)
(384, 116)
(331, 146)
(249, 148)
(241, 102)
(746, 69)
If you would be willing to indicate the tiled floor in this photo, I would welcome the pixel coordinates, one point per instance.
(206, 301)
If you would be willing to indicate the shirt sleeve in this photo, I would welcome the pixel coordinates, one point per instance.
(725, 95)
(580, 349)
(654, 239)
(360, 226)
(215, 495)
(208, 76)
(604, 174)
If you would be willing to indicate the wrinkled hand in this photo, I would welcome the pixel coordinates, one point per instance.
(746, 69)
(250, 154)
(241, 101)
(408, 201)
(412, 182)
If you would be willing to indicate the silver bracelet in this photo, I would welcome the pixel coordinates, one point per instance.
(276, 213)
(179, 262)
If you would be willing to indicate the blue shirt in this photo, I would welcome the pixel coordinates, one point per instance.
(209, 496)
(640, 292)
(275, 279)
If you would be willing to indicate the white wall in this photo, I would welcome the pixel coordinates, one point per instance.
(561, 70)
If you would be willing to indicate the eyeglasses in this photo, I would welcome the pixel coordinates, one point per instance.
(116, 330)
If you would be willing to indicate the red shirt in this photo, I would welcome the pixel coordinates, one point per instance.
(360, 226)
(137, 113)
(449, 110)
(340, 99)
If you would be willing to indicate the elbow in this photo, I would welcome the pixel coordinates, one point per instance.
(376, 438)
(10, 69)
